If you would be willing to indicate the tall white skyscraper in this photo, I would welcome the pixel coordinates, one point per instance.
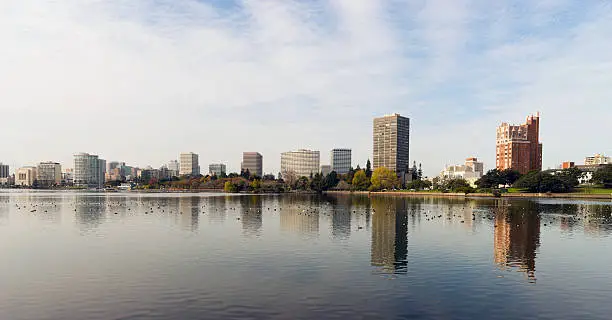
(189, 165)
(340, 160)
(302, 162)
(89, 170)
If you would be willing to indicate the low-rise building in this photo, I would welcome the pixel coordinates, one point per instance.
(567, 165)
(217, 169)
(597, 159)
(68, 177)
(326, 169)
(148, 173)
(7, 181)
(173, 168)
(25, 176)
(49, 174)
(471, 171)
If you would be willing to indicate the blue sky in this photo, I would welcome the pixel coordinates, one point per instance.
(141, 81)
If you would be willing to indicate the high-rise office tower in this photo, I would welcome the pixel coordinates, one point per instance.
(302, 162)
(189, 165)
(340, 160)
(519, 147)
(89, 171)
(252, 161)
(392, 143)
(4, 170)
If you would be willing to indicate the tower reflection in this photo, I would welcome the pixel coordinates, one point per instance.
(251, 215)
(390, 235)
(189, 210)
(90, 211)
(301, 219)
(517, 236)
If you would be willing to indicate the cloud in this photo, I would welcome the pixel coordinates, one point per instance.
(140, 81)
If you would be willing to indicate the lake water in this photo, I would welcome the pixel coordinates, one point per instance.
(206, 256)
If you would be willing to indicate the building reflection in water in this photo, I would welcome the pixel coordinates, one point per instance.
(189, 212)
(390, 235)
(517, 236)
(251, 215)
(340, 211)
(90, 211)
(216, 208)
(300, 219)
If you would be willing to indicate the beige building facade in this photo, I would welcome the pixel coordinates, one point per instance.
(391, 143)
(302, 162)
(25, 176)
(189, 164)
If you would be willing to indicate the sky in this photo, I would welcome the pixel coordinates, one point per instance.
(142, 81)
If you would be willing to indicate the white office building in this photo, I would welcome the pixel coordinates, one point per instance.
(302, 162)
(217, 169)
(189, 165)
(89, 171)
(49, 174)
(597, 159)
(471, 171)
(340, 160)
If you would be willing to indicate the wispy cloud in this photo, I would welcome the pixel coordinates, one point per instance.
(141, 81)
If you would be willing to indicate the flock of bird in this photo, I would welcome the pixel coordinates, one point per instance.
(187, 205)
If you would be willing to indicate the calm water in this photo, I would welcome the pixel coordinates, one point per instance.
(185, 256)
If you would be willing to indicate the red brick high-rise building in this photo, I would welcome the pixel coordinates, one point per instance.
(519, 147)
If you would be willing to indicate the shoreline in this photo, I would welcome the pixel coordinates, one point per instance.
(478, 195)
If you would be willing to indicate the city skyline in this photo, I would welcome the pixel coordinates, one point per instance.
(456, 70)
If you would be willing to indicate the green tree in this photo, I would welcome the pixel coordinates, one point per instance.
(419, 185)
(361, 181)
(330, 181)
(255, 185)
(245, 173)
(603, 176)
(383, 178)
(302, 184)
(317, 183)
(368, 169)
(458, 185)
(494, 178)
(538, 181)
(229, 187)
